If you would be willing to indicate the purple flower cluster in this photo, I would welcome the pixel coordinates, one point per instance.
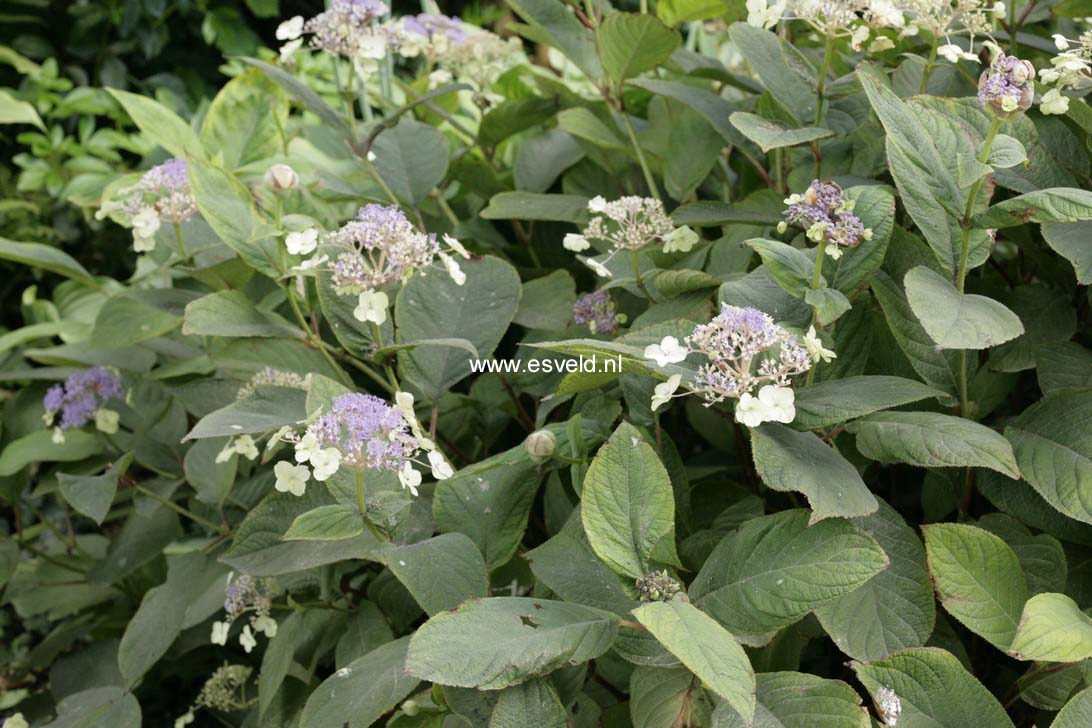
(344, 26)
(366, 431)
(379, 247)
(825, 213)
(167, 188)
(81, 395)
(1006, 88)
(596, 309)
(430, 25)
(733, 342)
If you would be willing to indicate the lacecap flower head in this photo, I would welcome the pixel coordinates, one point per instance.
(628, 223)
(81, 398)
(162, 195)
(825, 214)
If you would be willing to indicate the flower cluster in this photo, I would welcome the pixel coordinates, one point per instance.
(81, 398)
(659, 586)
(225, 690)
(827, 216)
(429, 35)
(361, 431)
(948, 18)
(1069, 69)
(628, 223)
(744, 351)
(252, 597)
(380, 247)
(344, 28)
(270, 377)
(833, 18)
(162, 195)
(596, 310)
(478, 60)
(1005, 88)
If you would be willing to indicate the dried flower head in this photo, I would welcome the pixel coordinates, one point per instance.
(827, 216)
(596, 310)
(1005, 89)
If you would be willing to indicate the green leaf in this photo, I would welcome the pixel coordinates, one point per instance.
(674, 12)
(830, 403)
(160, 124)
(412, 159)
(957, 320)
(92, 495)
(1057, 204)
(706, 648)
(790, 267)
(775, 569)
(874, 205)
(302, 93)
(895, 609)
(798, 700)
(228, 208)
(361, 692)
(441, 572)
(663, 698)
(628, 507)
(1053, 629)
(563, 31)
(138, 316)
(1006, 152)
(513, 116)
(494, 643)
(326, 523)
(978, 579)
(38, 446)
(1070, 240)
(534, 703)
(268, 409)
(98, 706)
(17, 111)
(769, 134)
(435, 307)
(298, 638)
(1054, 452)
(47, 258)
(783, 70)
(713, 108)
(245, 123)
(787, 460)
(536, 206)
(926, 185)
(547, 303)
(630, 44)
(1077, 713)
(932, 441)
(230, 313)
(829, 304)
(934, 690)
(929, 362)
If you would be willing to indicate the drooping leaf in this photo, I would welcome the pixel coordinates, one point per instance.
(361, 692)
(442, 572)
(957, 320)
(769, 134)
(839, 400)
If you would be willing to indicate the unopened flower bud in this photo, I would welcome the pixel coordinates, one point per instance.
(282, 177)
(540, 445)
(658, 586)
(410, 708)
(1005, 88)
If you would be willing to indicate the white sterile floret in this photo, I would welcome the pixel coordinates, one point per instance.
(302, 243)
(668, 351)
(371, 306)
(307, 446)
(146, 224)
(247, 640)
(815, 347)
(955, 54)
(452, 267)
(325, 462)
(779, 402)
(456, 246)
(762, 15)
(681, 240)
(290, 29)
(750, 410)
(600, 269)
(1054, 102)
(291, 478)
(106, 420)
(597, 204)
(575, 242)
(409, 478)
(266, 625)
(441, 469)
(220, 632)
(1060, 42)
(662, 392)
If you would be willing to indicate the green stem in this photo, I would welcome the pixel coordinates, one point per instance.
(179, 509)
(316, 342)
(816, 280)
(929, 65)
(378, 332)
(640, 280)
(649, 180)
(363, 507)
(446, 209)
(344, 98)
(181, 244)
(821, 84)
(382, 183)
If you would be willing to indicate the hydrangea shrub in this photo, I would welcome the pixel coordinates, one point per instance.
(391, 423)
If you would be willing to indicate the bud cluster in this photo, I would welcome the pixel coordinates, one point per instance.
(1005, 89)
(596, 310)
(827, 216)
(659, 586)
(81, 398)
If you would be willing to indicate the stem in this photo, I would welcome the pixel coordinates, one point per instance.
(179, 509)
(821, 84)
(816, 280)
(378, 178)
(640, 280)
(312, 337)
(181, 245)
(929, 65)
(378, 333)
(344, 98)
(649, 180)
(446, 209)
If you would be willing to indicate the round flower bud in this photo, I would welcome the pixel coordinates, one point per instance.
(658, 586)
(411, 708)
(1005, 88)
(282, 177)
(540, 445)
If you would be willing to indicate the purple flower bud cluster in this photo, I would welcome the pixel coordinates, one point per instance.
(81, 395)
(166, 187)
(737, 340)
(344, 26)
(247, 594)
(366, 431)
(596, 309)
(379, 247)
(430, 25)
(1005, 88)
(824, 212)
